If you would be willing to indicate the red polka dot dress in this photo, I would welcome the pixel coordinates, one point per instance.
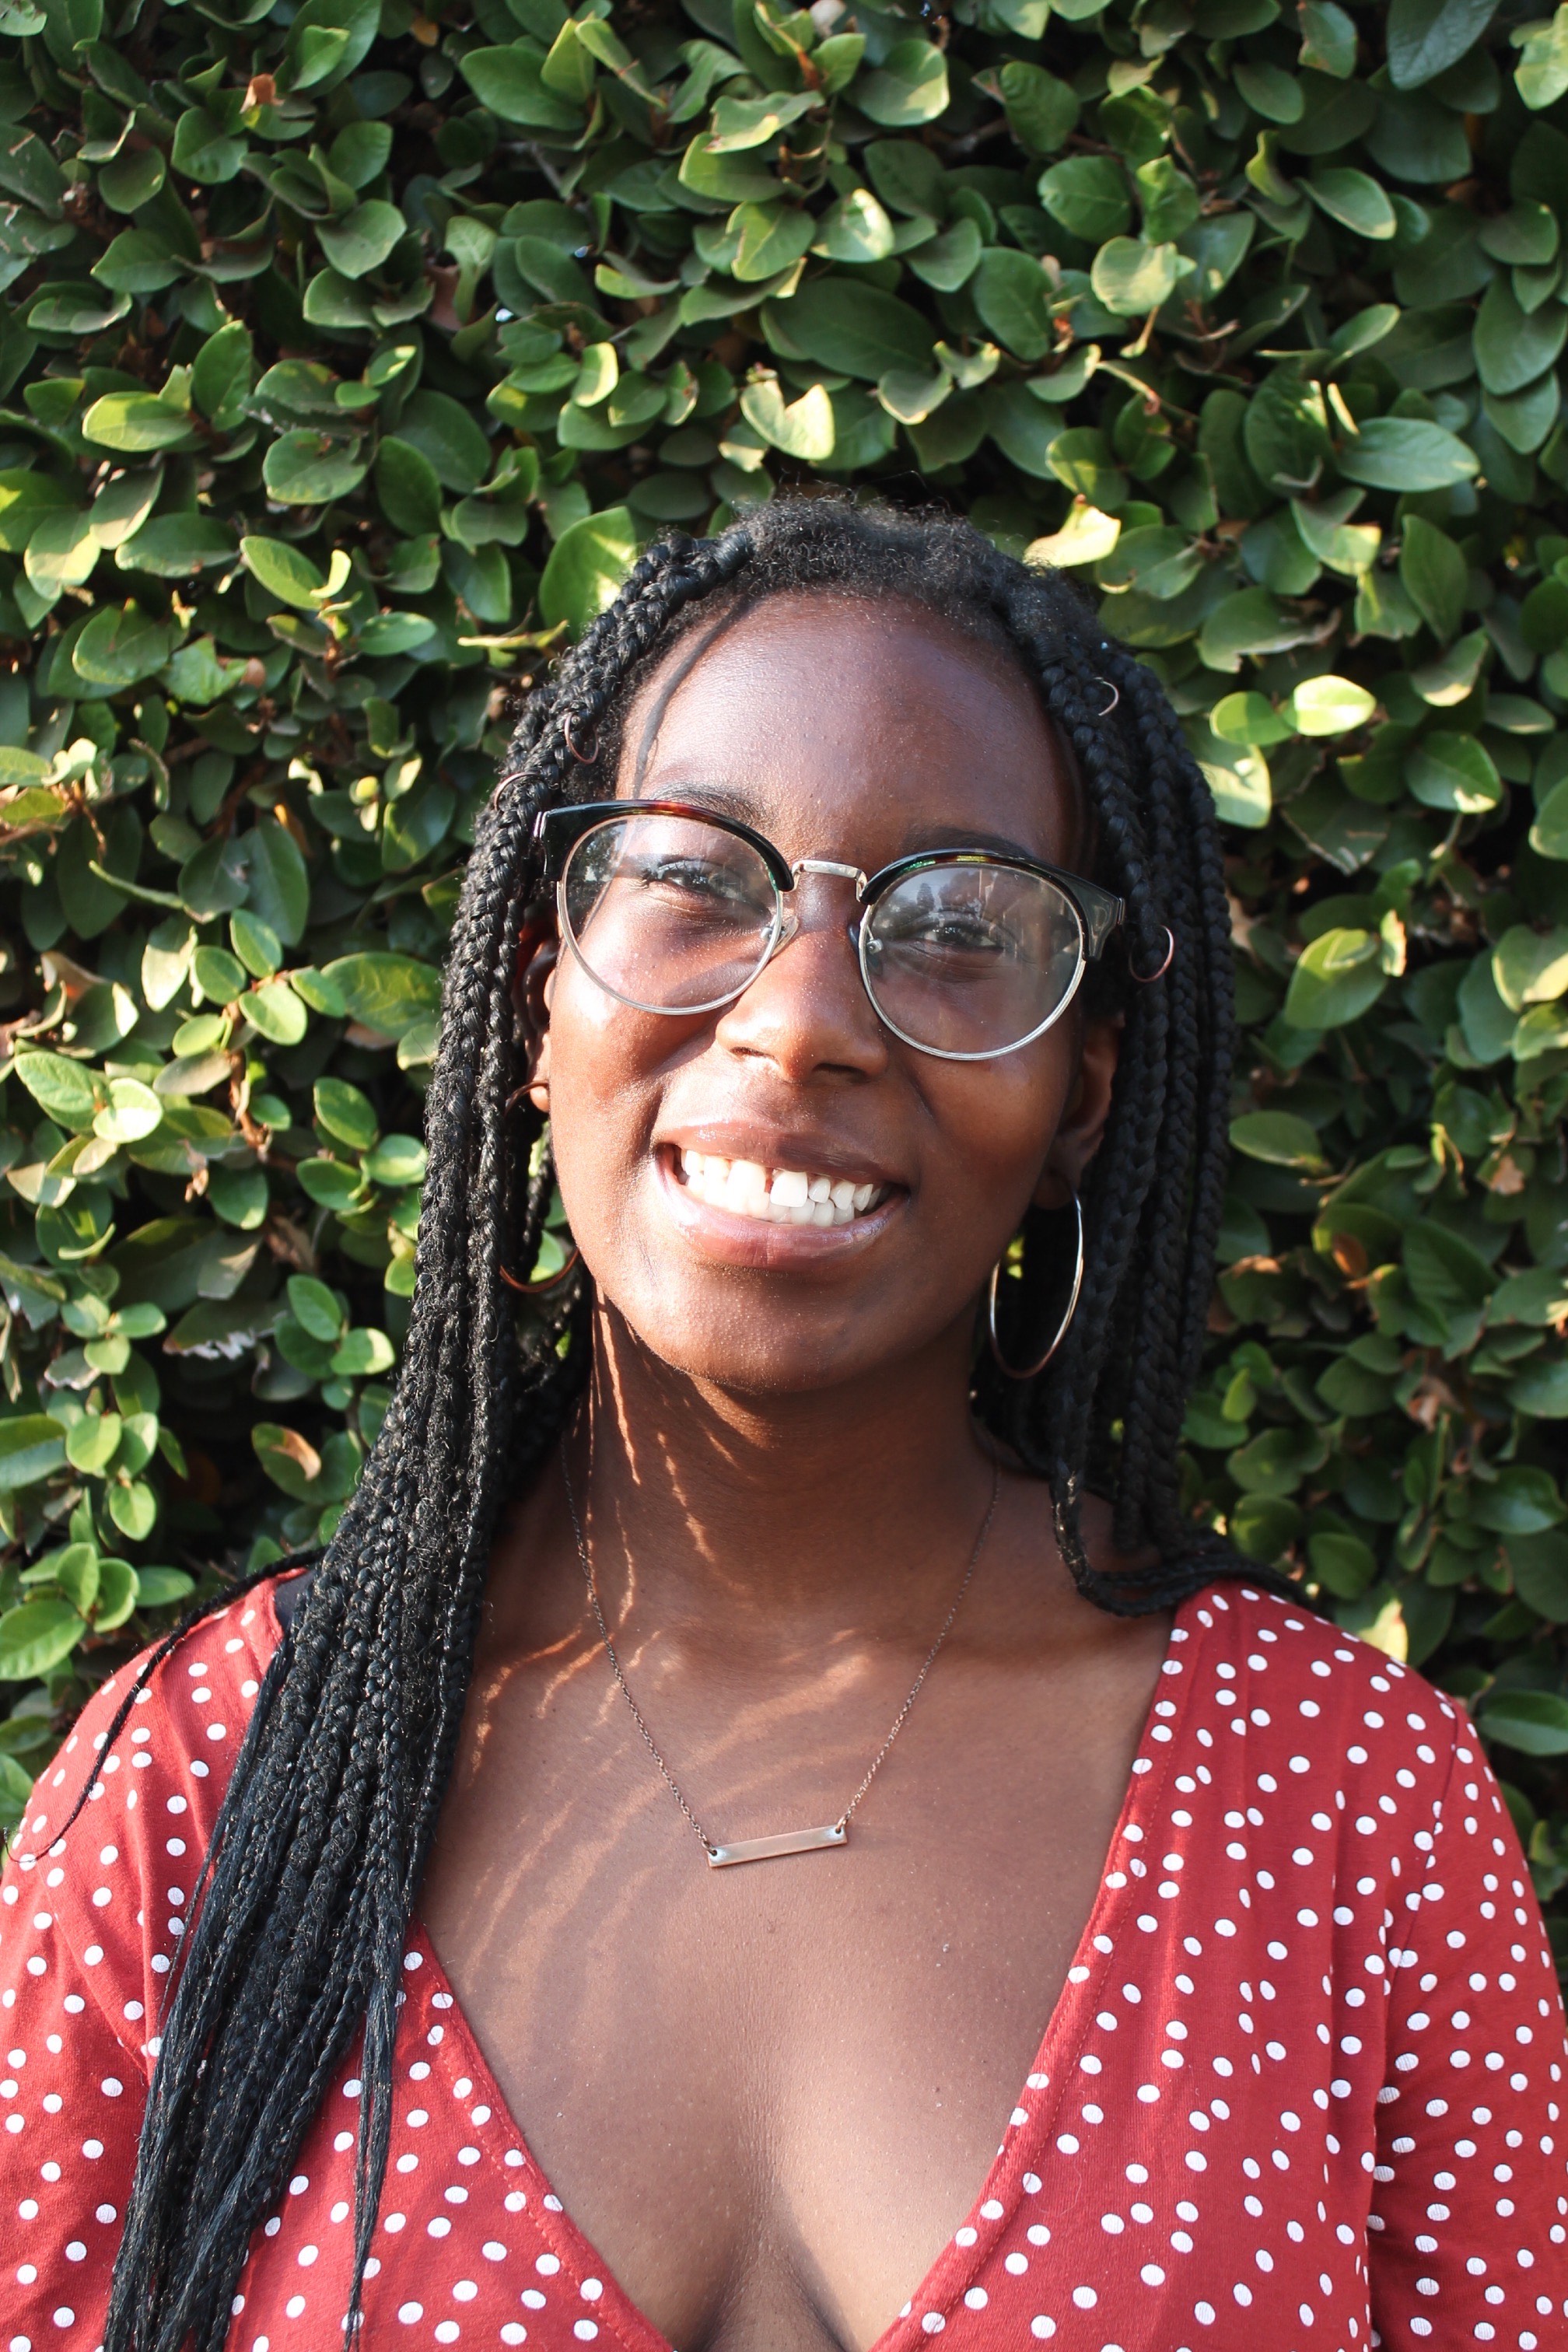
(1302, 2090)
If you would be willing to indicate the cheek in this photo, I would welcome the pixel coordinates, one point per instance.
(995, 1120)
(605, 1068)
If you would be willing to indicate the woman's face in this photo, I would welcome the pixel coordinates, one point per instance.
(857, 731)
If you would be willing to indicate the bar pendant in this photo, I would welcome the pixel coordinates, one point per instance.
(772, 1849)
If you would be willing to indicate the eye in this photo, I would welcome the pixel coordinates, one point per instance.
(935, 924)
(694, 877)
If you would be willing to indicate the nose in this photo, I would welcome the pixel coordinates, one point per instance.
(807, 1014)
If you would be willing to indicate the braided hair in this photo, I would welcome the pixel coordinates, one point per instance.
(317, 1857)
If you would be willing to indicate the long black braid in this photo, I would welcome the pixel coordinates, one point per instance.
(324, 1832)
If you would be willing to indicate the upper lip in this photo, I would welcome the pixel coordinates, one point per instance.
(818, 1155)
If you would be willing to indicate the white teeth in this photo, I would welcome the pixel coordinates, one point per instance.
(781, 1196)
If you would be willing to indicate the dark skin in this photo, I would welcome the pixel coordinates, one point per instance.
(769, 2095)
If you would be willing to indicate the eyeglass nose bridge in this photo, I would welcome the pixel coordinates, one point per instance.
(830, 865)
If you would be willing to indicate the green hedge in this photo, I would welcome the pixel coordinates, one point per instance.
(347, 354)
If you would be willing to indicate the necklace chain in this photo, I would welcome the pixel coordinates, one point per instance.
(640, 1721)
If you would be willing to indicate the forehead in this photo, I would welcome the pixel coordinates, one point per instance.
(874, 716)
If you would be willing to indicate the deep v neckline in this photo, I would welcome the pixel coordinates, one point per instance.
(1033, 2114)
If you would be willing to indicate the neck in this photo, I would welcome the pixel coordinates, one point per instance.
(777, 1515)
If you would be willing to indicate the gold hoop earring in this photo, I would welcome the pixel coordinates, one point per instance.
(1030, 1371)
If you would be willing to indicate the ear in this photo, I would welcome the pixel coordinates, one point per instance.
(1077, 1137)
(533, 975)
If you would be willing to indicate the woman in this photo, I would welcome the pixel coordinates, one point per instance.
(915, 940)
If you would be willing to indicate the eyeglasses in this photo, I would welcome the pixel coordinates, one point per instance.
(964, 953)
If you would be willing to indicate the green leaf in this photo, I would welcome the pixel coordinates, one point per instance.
(1448, 771)
(1444, 1271)
(444, 433)
(1271, 93)
(159, 1588)
(1081, 457)
(1534, 1722)
(137, 262)
(283, 570)
(176, 546)
(773, 236)
(133, 1112)
(345, 1113)
(1330, 706)
(1514, 346)
(508, 81)
(361, 241)
(315, 1308)
(802, 428)
(1338, 978)
(1405, 453)
(1520, 1501)
(63, 1090)
(1343, 1563)
(1541, 74)
(396, 1160)
(848, 325)
(25, 499)
(1426, 36)
(1088, 196)
(586, 567)
(407, 487)
(1042, 111)
(1013, 297)
(278, 883)
(742, 122)
(289, 1460)
(204, 150)
(92, 1445)
(135, 421)
(909, 87)
(277, 1012)
(386, 993)
(1280, 1139)
(362, 1354)
(1531, 967)
(309, 468)
(1354, 199)
(857, 229)
(36, 1636)
(1549, 834)
(1436, 575)
(32, 1446)
(1327, 38)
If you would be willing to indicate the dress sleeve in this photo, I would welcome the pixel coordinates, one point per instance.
(1468, 2235)
(71, 2097)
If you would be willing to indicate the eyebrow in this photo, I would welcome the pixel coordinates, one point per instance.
(729, 800)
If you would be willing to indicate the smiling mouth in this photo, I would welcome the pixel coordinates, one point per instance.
(775, 1196)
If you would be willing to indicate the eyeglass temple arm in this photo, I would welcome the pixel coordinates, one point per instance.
(1102, 913)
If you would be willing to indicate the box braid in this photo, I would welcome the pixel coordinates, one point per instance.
(306, 1891)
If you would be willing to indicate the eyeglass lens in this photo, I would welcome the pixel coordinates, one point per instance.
(676, 915)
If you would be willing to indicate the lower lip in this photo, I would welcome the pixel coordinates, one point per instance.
(731, 1240)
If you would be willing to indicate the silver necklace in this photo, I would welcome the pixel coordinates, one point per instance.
(832, 1833)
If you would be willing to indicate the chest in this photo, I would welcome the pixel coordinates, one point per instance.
(783, 2083)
